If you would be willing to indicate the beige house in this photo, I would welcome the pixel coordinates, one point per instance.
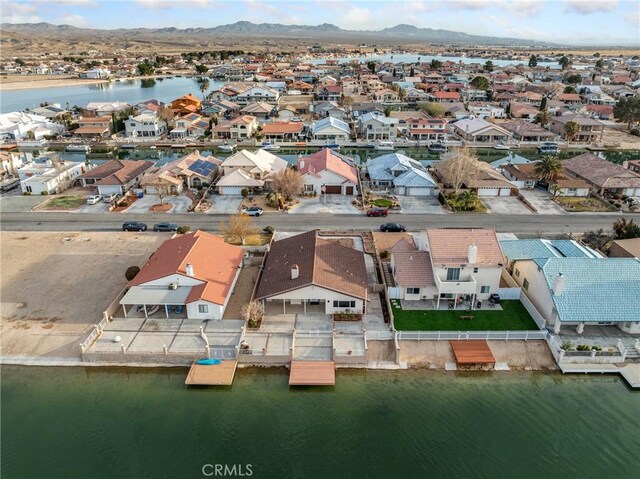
(590, 130)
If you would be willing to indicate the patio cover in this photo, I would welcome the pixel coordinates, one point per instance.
(156, 295)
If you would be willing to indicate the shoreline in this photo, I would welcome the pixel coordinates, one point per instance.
(32, 82)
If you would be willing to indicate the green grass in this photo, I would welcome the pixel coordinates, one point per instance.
(513, 317)
(65, 202)
(382, 203)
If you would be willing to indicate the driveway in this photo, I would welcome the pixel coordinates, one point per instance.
(505, 205)
(331, 204)
(101, 207)
(225, 204)
(180, 204)
(419, 205)
(541, 201)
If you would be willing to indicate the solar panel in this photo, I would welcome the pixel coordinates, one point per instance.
(203, 168)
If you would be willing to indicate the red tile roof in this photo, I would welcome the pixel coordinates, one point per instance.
(118, 172)
(214, 262)
(450, 246)
(326, 159)
(285, 127)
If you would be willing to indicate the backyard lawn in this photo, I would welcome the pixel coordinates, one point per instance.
(65, 202)
(513, 317)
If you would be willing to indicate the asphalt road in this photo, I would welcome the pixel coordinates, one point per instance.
(518, 224)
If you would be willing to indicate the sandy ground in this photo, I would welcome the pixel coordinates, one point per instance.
(27, 82)
(54, 286)
(241, 292)
(616, 134)
(519, 355)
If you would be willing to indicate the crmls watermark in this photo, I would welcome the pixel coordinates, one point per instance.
(227, 470)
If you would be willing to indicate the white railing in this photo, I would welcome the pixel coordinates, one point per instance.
(379, 335)
(97, 331)
(314, 334)
(533, 311)
(470, 335)
(509, 293)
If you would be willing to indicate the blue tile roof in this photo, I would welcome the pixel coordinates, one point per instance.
(569, 248)
(541, 249)
(596, 289)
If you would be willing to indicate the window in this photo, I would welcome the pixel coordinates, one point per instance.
(203, 308)
(475, 270)
(517, 273)
(525, 285)
(413, 290)
(308, 187)
(344, 304)
(453, 274)
(485, 289)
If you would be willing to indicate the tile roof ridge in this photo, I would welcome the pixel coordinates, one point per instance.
(313, 264)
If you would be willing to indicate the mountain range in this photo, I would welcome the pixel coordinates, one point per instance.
(243, 29)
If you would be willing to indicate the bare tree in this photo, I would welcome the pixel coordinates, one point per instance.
(167, 115)
(161, 192)
(287, 181)
(252, 313)
(459, 167)
(239, 226)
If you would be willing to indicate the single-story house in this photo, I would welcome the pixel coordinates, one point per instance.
(192, 170)
(523, 176)
(47, 176)
(116, 176)
(195, 271)
(478, 130)
(282, 131)
(309, 274)
(328, 172)
(604, 176)
(330, 129)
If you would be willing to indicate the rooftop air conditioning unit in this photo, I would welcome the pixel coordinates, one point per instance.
(173, 286)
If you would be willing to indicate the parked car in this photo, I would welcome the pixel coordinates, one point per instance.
(392, 227)
(109, 198)
(165, 227)
(252, 211)
(633, 201)
(93, 199)
(134, 226)
(377, 212)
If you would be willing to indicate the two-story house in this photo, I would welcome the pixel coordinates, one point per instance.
(145, 125)
(431, 129)
(590, 129)
(374, 126)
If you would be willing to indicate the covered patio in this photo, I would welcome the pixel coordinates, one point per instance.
(292, 306)
(169, 300)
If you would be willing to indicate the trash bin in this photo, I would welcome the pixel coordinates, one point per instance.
(140, 195)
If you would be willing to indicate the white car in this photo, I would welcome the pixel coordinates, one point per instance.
(93, 199)
(109, 198)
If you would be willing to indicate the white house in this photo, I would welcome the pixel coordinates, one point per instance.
(258, 94)
(248, 169)
(328, 172)
(330, 129)
(401, 175)
(465, 265)
(145, 125)
(374, 126)
(49, 176)
(572, 286)
(17, 125)
(195, 271)
(479, 130)
(309, 274)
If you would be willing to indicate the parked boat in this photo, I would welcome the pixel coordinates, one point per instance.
(501, 146)
(268, 146)
(128, 146)
(226, 147)
(179, 145)
(437, 148)
(78, 148)
(549, 148)
(332, 146)
(385, 146)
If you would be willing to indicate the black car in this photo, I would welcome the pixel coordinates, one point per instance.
(134, 226)
(393, 227)
(165, 227)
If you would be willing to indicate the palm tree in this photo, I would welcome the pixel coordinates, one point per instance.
(468, 200)
(571, 129)
(549, 169)
(204, 86)
(542, 118)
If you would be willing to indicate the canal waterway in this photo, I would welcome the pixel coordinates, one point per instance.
(95, 423)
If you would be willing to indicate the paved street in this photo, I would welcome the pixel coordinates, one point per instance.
(520, 224)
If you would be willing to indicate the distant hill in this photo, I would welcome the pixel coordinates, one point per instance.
(326, 32)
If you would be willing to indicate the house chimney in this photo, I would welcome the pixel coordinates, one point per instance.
(472, 256)
(189, 269)
(302, 164)
(295, 271)
(558, 285)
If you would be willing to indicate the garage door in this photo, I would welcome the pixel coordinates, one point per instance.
(419, 192)
(150, 190)
(488, 191)
(231, 190)
(505, 191)
(333, 189)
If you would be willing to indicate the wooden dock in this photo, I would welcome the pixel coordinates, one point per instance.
(312, 373)
(212, 375)
(472, 352)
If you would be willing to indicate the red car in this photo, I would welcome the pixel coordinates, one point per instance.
(377, 212)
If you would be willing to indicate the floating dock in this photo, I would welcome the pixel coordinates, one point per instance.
(312, 373)
(212, 375)
(472, 352)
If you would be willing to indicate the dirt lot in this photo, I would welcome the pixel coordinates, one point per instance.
(54, 286)
(615, 134)
(242, 292)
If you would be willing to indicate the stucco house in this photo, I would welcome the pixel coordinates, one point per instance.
(116, 176)
(375, 126)
(330, 129)
(401, 175)
(603, 176)
(192, 171)
(590, 129)
(329, 172)
(524, 177)
(479, 130)
(573, 286)
(47, 176)
(309, 274)
(145, 125)
(248, 169)
(195, 271)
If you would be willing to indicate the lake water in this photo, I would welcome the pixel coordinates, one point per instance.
(412, 58)
(129, 91)
(93, 423)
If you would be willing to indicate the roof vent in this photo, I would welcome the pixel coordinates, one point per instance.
(473, 254)
(558, 284)
(173, 286)
(189, 269)
(295, 271)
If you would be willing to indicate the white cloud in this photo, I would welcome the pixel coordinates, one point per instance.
(357, 18)
(527, 8)
(586, 7)
(73, 19)
(469, 4)
(78, 3)
(17, 12)
(178, 4)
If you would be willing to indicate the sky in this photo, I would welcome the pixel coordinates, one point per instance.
(587, 22)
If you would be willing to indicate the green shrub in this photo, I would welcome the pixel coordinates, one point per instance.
(131, 272)
(44, 193)
(269, 230)
(566, 346)
(183, 229)
(384, 254)
(244, 193)
(583, 347)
